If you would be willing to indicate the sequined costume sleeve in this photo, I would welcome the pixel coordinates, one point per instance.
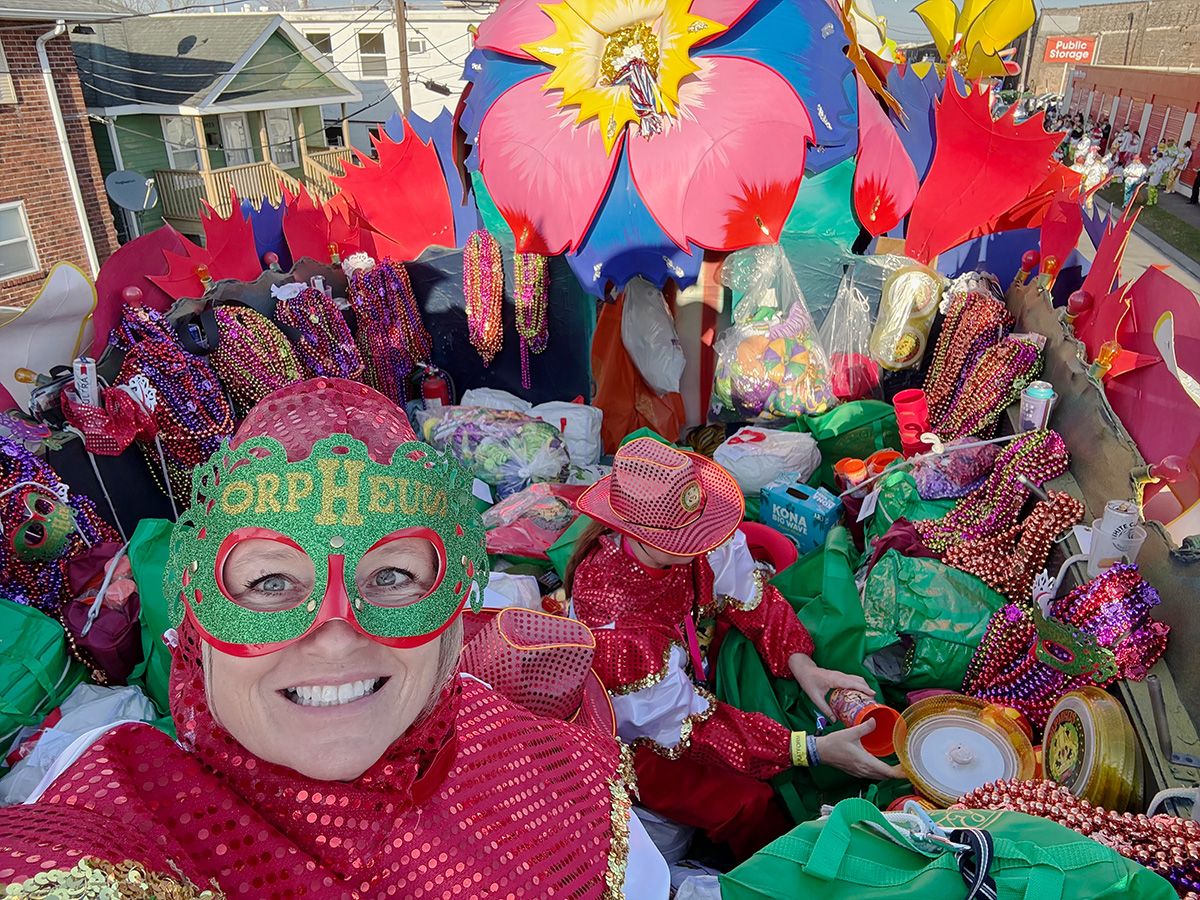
(747, 742)
(642, 659)
(747, 602)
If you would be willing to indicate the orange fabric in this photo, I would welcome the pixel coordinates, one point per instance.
(627, 401)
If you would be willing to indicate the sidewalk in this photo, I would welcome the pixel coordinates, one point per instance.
(1146, 249)
(1172, 213)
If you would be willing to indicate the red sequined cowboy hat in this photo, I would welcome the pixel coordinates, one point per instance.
(542, 662)
(674, 501)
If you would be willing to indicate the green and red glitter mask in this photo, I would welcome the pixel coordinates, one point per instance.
(335, 505)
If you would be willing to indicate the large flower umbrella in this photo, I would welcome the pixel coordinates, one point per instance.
(633, 133)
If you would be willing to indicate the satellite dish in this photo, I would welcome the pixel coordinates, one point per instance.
(131, 191)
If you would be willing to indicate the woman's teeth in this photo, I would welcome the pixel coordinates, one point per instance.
(333, 695)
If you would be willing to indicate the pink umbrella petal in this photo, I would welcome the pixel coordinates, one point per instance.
(546, 174)
(885, 180)
(727, 12)
(514, 23)
(733, 158)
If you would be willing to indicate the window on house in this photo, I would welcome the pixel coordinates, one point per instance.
(281, 135)
(418, 45)
(8, 93)
(372, 55)
(183, 148)
(320, 40)
(17, 255)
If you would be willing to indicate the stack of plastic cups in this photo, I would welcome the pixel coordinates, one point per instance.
(912, 418)
(851, 472)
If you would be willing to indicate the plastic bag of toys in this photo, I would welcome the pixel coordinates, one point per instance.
(506, 450)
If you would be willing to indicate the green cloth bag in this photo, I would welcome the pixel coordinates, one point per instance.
(898, 499)
(148, 550)
(820, 587)
(858, 854)
(856, 429)
(37, 671)
(941, 612)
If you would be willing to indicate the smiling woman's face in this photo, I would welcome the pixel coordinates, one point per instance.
(329, 705)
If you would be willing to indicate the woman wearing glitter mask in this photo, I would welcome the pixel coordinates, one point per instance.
(663, 564)
(327, 746)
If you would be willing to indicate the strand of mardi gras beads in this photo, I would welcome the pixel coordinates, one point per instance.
(391, 335)
(191, 412)
(253, 357)
(1039, 456)
(989, 387)
(483, 290)
(974, 322)
(532, 293)
(326, 346)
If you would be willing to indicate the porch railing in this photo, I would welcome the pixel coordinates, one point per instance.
(322, 165)
(181, 191)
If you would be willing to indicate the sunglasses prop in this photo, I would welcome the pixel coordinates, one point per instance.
(45, 524)
(334, 507)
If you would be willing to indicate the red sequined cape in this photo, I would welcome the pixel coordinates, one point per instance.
(480, 798)
(647, 609)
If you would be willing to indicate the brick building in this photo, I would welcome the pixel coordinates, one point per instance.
(1158, 105)
(41, 222)
(1144, 34)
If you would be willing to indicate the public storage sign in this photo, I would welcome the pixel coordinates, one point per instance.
(1070, 49)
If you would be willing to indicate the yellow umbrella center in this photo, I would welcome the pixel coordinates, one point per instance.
(621, 61)
(625, 49)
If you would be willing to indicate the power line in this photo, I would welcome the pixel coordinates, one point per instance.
(164, 90)
(375, 7)
(132, 15)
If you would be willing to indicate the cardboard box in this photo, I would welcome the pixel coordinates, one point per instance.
(803, 513)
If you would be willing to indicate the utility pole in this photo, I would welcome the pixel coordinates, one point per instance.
(1030, 38)
(402, 31)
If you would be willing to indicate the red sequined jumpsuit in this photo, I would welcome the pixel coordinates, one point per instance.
(711, 771)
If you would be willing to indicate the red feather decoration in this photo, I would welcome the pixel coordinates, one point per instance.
(982, 167)
(228, 252)
(402, 196)
(310, 227)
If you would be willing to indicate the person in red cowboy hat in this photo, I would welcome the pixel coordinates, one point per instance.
(662, 560)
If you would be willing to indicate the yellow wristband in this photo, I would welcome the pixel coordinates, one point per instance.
(800, 748)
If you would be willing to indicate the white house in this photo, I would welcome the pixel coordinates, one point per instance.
(363, 43)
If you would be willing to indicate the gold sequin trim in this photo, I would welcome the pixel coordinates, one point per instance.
(620, 786)
(653, 678)
(685, 730)
(760, 588)
(95, 879)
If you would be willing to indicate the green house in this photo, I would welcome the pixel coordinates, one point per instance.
(206, 104)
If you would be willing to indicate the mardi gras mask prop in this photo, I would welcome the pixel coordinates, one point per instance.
(45, 527)
(336, 507)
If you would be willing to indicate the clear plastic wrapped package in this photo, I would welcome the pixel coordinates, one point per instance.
(774, 364)
(846, 334)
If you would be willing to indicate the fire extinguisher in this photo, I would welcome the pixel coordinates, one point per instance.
(436, 386)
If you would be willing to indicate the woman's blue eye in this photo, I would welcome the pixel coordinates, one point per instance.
(272, 584)
(391, 577)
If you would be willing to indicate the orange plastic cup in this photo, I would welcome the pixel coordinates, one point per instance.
(850, 471)
(881, 459)
(854, 707)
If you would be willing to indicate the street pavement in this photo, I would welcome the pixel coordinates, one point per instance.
(1145, 249)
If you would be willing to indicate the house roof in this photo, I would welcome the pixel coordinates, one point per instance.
(198, 64)
(70, 10)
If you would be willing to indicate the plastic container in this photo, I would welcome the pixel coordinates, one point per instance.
(854, 707)
(1037, 402)
(878, 461)
(850, 472)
